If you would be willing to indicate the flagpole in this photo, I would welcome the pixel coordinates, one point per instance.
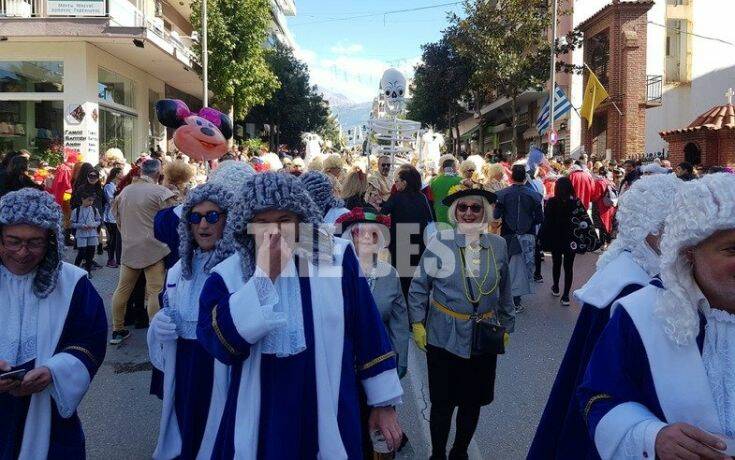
(552, 91)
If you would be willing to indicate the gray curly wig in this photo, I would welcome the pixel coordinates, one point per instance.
(703, 207)
(642, 210)
(321, 191)
(263, 192)
(231, 174)
(223, 198)
(37, 208)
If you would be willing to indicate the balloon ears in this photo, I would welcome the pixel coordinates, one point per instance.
(225, 125)
(219, 119)
(171, 112)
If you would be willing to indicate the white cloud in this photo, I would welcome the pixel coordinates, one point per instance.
(347, 49)
(353, 76)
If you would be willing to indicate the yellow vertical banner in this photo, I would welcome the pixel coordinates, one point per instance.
(594, 94)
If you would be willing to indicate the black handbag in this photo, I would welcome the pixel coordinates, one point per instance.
(584, 235)
(488, 338)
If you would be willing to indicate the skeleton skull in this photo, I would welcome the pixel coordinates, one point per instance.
(393, 85)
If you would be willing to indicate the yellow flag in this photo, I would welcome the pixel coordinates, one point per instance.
(594, 94)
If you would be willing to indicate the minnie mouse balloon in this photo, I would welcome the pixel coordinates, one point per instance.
(202, 135)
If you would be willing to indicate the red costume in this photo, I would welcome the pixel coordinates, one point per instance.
(585, 188)
(606, 213)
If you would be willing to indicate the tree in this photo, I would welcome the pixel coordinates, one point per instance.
(295, 107)
(507, 42)
(439, 84)
(239, 75)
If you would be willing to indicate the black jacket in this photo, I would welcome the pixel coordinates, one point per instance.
(556, 231)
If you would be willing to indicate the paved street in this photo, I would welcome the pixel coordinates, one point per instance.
(121, 419)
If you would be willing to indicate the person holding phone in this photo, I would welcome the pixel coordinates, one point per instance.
(52, 333)
(298, 325)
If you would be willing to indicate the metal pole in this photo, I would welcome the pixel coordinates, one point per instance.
(552, 91)
(205, 58)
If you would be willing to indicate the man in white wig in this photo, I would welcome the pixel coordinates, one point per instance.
(53, 330)
(660, 383)
(192, 378)
(300, 328)
(628, 265)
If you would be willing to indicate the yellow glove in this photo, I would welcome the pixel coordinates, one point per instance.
(419, 335)
(506, 339)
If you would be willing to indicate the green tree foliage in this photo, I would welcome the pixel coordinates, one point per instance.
(440, 83)
(295, 107)
(239, 75)
(330, 131)
(508, 44)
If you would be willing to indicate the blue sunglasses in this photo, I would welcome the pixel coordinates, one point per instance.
(212, 217)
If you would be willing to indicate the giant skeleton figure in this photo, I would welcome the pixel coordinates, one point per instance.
(53, 328)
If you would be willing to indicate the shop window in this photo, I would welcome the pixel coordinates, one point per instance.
(115, 88)
(37, 126)
(116, 130)
(31, 76)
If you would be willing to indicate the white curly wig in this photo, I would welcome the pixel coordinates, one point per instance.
(231, 174)
(703, 207)
(642, 211)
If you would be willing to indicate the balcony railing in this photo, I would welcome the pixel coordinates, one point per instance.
(654, 90)
(21, 8)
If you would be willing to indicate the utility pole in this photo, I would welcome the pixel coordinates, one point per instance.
(205, 58)
(552, 91)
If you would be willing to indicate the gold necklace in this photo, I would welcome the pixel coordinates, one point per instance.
(479, 285)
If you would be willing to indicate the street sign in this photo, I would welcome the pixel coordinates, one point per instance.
(553, 136)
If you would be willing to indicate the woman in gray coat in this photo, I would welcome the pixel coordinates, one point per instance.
(462, 280)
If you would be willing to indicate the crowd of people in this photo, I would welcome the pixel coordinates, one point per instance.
(281, 297)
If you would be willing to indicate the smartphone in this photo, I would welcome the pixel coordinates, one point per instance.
(14, 375)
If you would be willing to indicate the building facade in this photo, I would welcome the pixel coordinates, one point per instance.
(86, 74)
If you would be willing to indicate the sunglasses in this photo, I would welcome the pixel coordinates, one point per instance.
(212, 217)
(463, 207)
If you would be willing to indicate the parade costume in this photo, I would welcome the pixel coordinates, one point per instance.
(298, 346)
(52, 317)
(627, 265)
(192, 378)
(321, 192)
(663, 358)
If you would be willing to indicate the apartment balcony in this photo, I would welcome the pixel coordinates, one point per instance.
(120, 27)
(654, 91)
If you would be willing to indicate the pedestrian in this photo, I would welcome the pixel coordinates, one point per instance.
(367, 231)
(461, 310)
(300, 329)
(411, 216)
(85, 220)
(52, 333)
(16, 176)
(319, 187)
(177, 177)
(333, 167)
(603, 208)
(557, 235)
(627, 265)
(134, 210)
(353, 189)
(470, 176)
(494, 182)
(584, 185)
(664, 362)
(88, 183)
(632, 174)
(441, 184)
(519, 206)
(192, 378)
(376, 193)
(114, 240)
(685, 171)
(384, 176)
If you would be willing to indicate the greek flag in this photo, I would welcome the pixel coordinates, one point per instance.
(562, 106)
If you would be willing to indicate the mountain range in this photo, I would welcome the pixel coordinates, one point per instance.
(348, 113)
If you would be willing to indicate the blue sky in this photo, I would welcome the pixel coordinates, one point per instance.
(348, 55)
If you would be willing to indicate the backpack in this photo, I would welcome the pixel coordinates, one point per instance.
(610, 199)
(584, 235)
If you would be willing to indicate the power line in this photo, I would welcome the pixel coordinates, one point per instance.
(692, 33)
(384, 13)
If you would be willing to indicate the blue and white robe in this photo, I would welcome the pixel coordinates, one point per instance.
(562, 433)
(639, 380)
(166, 230)
(194, 384)
(306, 405)
(71, 339)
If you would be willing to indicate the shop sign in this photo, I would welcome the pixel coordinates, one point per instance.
(76, 7)
(81, 130)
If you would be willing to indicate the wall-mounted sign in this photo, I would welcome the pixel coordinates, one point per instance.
(76, 7)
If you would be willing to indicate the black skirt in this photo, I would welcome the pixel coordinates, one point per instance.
(456, 381)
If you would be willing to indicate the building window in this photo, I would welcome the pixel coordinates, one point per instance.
(677, 2)
(36, 126)
(115, 88)
(677, 50)
(31, 76)
(116, 130)
(597, 55)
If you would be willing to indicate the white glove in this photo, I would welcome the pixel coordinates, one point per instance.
(163, 327)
